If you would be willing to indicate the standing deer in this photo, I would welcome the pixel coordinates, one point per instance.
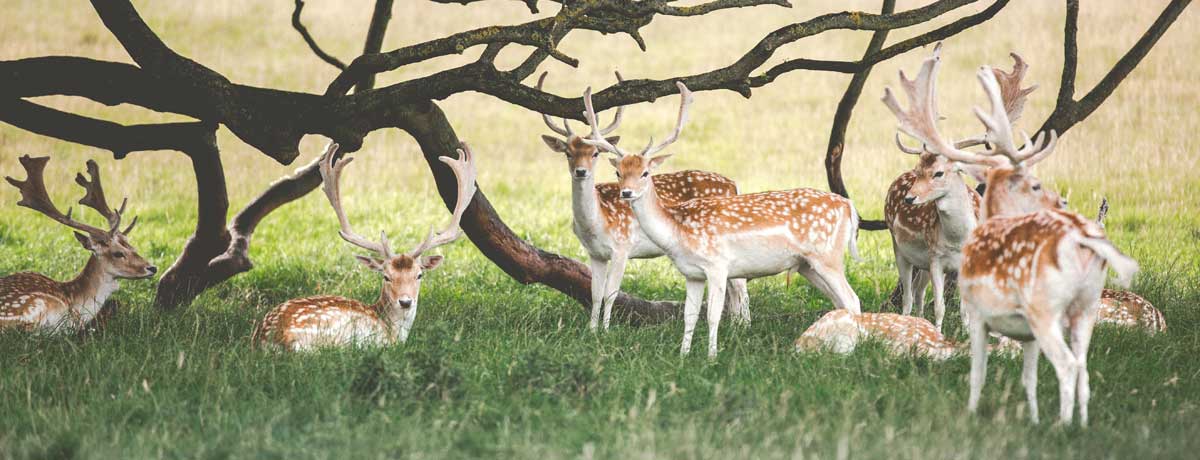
(311, 322)
(713, 239)
(605, 224)
(930, 210)
(1029, 268)
(32, 301)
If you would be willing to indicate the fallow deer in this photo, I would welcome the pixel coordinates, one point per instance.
(746, 236)
(930, 210)
(311, 322)
(1124, 308)
(35, 302)
(605, 224)
(840, 331)
(1029, 268)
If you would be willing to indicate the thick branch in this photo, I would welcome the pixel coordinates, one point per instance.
(312, 43)
(1067, 115)
(114, 137)
(841, 120)
(374, 42)
(531, 4)
(1066, 89)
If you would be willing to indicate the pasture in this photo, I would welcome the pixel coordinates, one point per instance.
(496, 369)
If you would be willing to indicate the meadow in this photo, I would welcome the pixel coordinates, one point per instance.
(499, 369)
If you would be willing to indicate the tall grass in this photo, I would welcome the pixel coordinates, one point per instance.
(495, 368)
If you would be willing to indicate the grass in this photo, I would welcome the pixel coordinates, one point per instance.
(497, 369)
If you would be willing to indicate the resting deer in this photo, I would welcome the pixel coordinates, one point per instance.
(1029, 268)
(1124, 308)
(930, 210)
(840, 331)
(31, 301)
(311, 322)
(746, 236)
(605, 224)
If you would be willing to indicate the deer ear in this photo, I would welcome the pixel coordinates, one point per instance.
(371, 262)
(431, 262)
(555, 144)
(658, 160)
(615, 162)
(613, 140)
(85, 241)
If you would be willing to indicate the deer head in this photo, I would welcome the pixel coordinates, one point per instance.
(111, 246)
(633, 171)
(1012, 188)
(581, 157)
(401, 273)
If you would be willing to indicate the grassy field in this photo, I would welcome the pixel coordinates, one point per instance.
(497, 369)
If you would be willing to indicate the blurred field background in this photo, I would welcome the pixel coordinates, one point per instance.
(499, 369)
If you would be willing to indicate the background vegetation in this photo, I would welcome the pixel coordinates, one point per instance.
(499, 369)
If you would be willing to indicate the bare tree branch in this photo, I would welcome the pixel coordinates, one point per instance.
(374, 42)
(841, 119)
(312, 43)
(531, 4)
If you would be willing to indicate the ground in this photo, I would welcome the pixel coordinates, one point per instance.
(497, 369)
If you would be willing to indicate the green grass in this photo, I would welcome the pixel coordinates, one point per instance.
(497, 369)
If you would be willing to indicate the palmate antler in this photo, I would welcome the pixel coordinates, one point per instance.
(465, 173)
(920, 120)
(566, 131)
(331, 175)
(597, 139)
(34, 196)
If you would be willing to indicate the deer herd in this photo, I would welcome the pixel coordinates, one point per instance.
(1026, 267)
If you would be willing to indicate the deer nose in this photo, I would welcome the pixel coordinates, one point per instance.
(152, 269)
(626, 193)
(910, 199)
(405, 302)
(581, 173)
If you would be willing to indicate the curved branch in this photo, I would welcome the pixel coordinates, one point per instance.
(312, 43)
(531, 4)
(841, 120)
(114, 137)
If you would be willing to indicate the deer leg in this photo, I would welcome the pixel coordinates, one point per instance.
(1049, 335)
(691, 313)
(979, 355)
(1029, 376)
(920, 280)
(1081, 337)
(939, 299)
(612, 284)
(738, 299)
(598, 269)
(830, 278)
(906, 284)
(716, 306)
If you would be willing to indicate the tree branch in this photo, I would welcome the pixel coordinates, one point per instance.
(312, 43)
(114, 137)
(374, 42)
(841, 120)
(531, 4)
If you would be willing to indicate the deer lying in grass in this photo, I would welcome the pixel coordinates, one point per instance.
(31, 301)
(311, 322)
(1124, 308)
(746, 236)
(930, 210)
(840, 331)
(1028, 268)
(605, 224)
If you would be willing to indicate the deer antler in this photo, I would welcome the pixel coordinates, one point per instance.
(465, 172)
(596, 139)
(685, 101)
(1011, 93)
(331, 174)
(94, 198)
(35, 197)
(920, 120)
(566, 129)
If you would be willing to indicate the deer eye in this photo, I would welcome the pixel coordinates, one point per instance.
(618, 175)
(387, 278)
(938, 174)
(1037, 187)
(596, 155)
(645, 173)
(119, 255)
(420, 275)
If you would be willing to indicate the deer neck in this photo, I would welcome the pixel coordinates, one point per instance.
(395, 320)
(88, 291)
(956, 213)
(585, 204)
(656, 220)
